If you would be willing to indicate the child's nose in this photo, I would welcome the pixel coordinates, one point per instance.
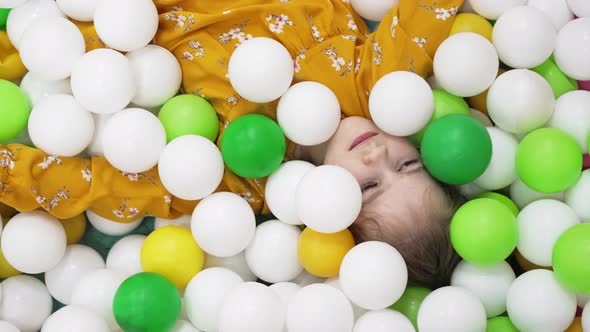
(374, 154)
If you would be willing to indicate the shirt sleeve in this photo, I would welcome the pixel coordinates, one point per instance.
(66, 187)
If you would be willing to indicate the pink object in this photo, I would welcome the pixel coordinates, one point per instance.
(586, 161)
(584, 85)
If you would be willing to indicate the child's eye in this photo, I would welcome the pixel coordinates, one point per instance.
(407, 165)
(368, 186)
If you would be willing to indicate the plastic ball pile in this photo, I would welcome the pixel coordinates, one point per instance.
(506, 117)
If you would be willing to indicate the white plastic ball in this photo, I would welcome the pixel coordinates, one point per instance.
(580, 7)
(305, 279)
(182, 221)
(471, 190)
(223, 224)
(102, 81)
(25, 303)
(556, 10)
(520, 101)
(373, 275)
(260, 70)
(272, 254)
(540, 224)
(95, 147)
(80, 10)
(75, 318)
(281, 187)
(23, 16)
(125, 256)
(401, 103)
(205, 295)
(128, 25)
(236, 263)
(358, 311)
(157, 75)
(524, 37)
(582, 299)
(571, 115)
(451, 309)
(265, 312)
(309, 113)
(586, 318)
(191, 167)
(12, 3)
(434, 83)
(536, 302)
(285, 290)
(522, 195)
(111, 227)
(385, 320)
(328, 199)
(319, 307)
(466, 64)
(60, 126)
(489, 283)
(96, 291)
(493, 9)
(501, 170)
(78, 261)
(37, 89)
(33, 242)
(577, 197)
(572, 49)
(50, 47)
(373, 10)
(8, 327)
(482, 118)
(144, 138)
(184, 326)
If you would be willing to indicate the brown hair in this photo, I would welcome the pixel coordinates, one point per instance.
(428, 251)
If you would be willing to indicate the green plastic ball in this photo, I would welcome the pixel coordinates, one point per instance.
(253, 146)
(3, 17)
(484, 231)
(502, 199)
(189, 115)
(548, 160)
(501, 324)
(571, 255)
(409, 303)
(445, 103)
(456, 149)
(146, 302)
(14, 111)
(559, 82)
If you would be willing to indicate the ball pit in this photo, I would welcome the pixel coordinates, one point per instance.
(121, 100)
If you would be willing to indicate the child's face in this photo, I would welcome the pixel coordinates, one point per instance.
(393, 179)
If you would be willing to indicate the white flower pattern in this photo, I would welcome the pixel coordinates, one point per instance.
(351, 23)
(278, 22)
(48, 161)
(394, 23)
(87, 175)
(420, 41)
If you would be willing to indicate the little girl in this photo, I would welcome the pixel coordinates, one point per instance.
(330, 44)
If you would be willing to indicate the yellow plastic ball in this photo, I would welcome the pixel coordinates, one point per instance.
(469, 22)
(6, 270)
(172, 252)
(75, 228)
(321, 254)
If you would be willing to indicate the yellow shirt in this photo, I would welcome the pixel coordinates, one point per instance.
(329, 43)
